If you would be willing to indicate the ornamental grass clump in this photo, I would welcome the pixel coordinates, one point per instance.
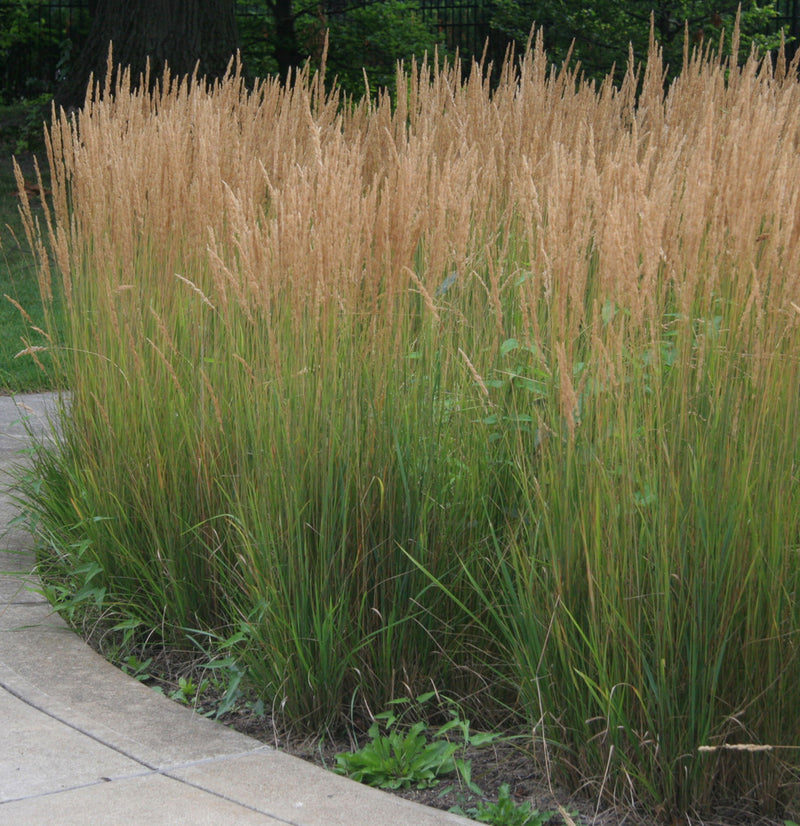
(490, 390)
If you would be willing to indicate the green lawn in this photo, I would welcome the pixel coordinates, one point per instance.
(18, 283)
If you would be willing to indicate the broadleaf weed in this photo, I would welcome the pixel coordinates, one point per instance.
(413, 757)
(505, 811)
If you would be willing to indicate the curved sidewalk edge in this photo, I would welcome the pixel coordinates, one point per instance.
(84, 743)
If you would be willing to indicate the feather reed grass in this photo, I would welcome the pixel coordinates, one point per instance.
(490, 390)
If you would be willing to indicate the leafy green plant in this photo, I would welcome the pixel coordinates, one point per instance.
(505, 811)
(79, 591)
(29, 132)
(372, 38)
(398, 760)
(214, 694)
(601, 35)
(226, 672)
(136, 668)
(188, 690)
(416, 757)
(36, 48)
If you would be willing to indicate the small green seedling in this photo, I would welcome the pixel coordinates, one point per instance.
(136, 668)
(188, 690)
(505, 812)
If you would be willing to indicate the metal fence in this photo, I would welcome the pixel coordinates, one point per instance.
(789, 16)
(465, 25)
(37, 41)
(51, 32)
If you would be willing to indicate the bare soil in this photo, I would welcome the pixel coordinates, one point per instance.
(522, 767)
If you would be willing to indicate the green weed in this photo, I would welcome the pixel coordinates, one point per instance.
(399, 761)
(505, 811)
(415, 757)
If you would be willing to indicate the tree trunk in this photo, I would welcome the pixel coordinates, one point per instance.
(287, 53)
(183, 34)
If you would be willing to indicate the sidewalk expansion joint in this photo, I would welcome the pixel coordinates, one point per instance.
(151, 770)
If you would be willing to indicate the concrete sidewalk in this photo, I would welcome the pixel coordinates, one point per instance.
(82, 743)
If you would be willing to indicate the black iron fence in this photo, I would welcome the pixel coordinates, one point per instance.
(39, 39)
(464, 26)
(789, 16)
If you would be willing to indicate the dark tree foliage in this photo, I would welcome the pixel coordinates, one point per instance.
(280, 36)
(372, 38)
(600, 34)
(374, 34)
(184, 34)
(287, 48)
(371, 35)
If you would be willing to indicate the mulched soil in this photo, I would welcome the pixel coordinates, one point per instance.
(522, 768)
